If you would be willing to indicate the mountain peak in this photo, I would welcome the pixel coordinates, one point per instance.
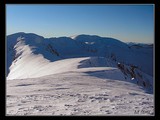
(83, 45)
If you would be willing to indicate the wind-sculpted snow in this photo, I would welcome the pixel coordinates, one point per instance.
(87, 91)
(54, 49)
(30, 55)
(78, 75)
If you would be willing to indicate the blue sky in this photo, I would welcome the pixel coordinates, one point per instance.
(128, 23)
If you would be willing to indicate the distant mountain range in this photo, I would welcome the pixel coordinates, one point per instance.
(28, 51)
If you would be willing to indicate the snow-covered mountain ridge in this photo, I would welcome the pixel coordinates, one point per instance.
(29, 54)
(78, 75)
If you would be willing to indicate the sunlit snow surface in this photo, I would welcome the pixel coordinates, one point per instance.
(75, 82)
(79, 92)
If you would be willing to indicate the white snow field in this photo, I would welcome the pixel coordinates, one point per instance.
(79, 76)
(85, 91)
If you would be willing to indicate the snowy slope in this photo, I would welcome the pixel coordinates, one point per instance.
(93, 91)
(83, 46)
(30, 55)
(78, 75)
